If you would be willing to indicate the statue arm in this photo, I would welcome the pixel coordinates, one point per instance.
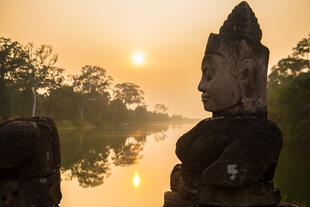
(185, 142)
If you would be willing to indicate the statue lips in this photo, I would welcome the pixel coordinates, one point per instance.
(205, 97)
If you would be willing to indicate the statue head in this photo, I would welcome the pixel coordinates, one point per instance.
(234, 67)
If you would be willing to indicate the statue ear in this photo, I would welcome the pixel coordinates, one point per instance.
(246, 70)
(247, 80)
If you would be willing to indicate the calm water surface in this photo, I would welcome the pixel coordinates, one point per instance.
(98, 167)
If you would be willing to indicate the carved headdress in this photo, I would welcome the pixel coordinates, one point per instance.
(239, 42)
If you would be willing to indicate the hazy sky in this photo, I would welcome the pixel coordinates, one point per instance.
(171, 33)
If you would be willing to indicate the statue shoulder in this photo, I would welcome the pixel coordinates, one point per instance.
(198, 128)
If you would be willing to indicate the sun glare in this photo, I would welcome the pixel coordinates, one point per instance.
(138, 58)
(136, 180)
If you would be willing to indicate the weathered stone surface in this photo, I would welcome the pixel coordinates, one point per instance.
(259, 194)
(249, 145)
(29, 163)
(229, 160)
(175, 178)
(243, 21)
(174, 200)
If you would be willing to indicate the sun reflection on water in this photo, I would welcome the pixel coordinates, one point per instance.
(136, 180)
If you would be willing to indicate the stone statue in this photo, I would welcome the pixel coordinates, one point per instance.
(230, 159)
(29, 163)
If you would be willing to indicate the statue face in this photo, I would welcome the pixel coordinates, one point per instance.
(220, 89)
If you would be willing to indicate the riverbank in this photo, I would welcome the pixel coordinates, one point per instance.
(78, 124)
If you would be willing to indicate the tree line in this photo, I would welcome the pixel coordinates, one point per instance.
(289, 95)
(32, 85)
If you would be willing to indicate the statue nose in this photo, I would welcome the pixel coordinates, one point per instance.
(202, 86)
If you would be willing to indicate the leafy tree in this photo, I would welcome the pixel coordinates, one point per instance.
(39, 72)
(12, 57)
(54, 81)
(61, 104)
(93, 85)
(129, 94)
(288, 92)
(302, 48)
(93, 79)
(288, 68)
(141, 113)
(289, 106)
(161, 108)
(117, 112)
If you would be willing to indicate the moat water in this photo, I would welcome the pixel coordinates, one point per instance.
(131, 167)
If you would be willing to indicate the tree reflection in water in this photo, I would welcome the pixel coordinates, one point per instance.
(160, 136)
(128, 154)
(89, 155)
(92, 170)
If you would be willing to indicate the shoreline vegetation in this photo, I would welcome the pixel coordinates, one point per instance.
(288, 94)
(32, 85)
(94, 124)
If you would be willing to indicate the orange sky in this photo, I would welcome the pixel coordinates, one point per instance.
(172, 34)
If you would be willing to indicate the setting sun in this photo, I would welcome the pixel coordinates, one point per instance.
(138, 58)
(136, 180)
